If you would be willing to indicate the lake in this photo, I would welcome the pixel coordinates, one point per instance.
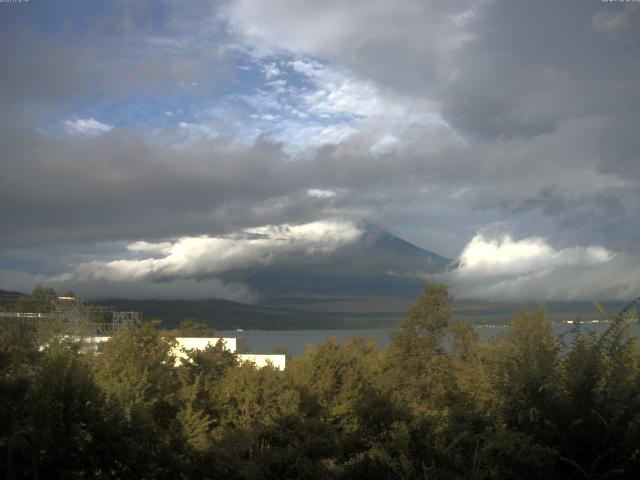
(295, 341)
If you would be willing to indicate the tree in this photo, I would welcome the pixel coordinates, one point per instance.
(38, 302)
(527, 373)
(76, 433)
(424, 325)
(135, 369)
(18, 367)
(200, 375)
(416, 365)
(192, 328)
(338, 384)
(600, 423)
(263, 430)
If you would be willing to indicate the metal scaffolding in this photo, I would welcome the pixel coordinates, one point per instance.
(69, 317)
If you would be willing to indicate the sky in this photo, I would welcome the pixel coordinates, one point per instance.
(146, 147)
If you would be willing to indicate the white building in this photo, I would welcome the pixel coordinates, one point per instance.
(262, 360)
(234, 345)
(184, 344)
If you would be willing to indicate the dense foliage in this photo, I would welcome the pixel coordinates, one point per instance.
(436, 403)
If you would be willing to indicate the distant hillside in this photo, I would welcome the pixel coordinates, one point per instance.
(8, 300)
(226, 315)
(9, 293)
(320, 313)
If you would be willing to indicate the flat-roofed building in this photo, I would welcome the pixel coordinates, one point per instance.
(184, 344)
(276, 360)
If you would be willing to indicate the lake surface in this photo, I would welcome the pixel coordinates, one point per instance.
(295, 341)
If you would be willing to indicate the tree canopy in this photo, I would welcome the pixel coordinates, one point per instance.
(436, 403)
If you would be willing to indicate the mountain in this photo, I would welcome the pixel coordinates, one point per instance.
(365, 284)
(376, 264)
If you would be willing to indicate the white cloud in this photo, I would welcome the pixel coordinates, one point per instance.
(271, 71)
(530, 269)
(205, 256)
(313, 103)
(319, 193)
(339, 93)
(384, 145)
(506, 256)
(86, 126)
(146, 247)
(305, 138)
(306, 67)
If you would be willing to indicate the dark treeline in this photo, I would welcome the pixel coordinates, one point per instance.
(436, 403)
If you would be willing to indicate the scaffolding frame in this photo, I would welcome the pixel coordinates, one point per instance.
(70, 317)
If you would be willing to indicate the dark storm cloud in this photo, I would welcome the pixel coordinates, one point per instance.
(530, 66)
(125, 184)
(122, 185)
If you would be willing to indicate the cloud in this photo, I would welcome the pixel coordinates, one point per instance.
(136, 184)
(205, 256)
(496, 68)
(186, 289)
(147, 247)
(195, 289)
(384, 145)
(320, 104)
(530, 269)
(52, 60)
(19, 281)
(133, 184)
(438, 119)
(396, 45)
(505, 256)
(319, 193)
(271, 71)
(86, 126)
(189, 267)
(523, 100)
